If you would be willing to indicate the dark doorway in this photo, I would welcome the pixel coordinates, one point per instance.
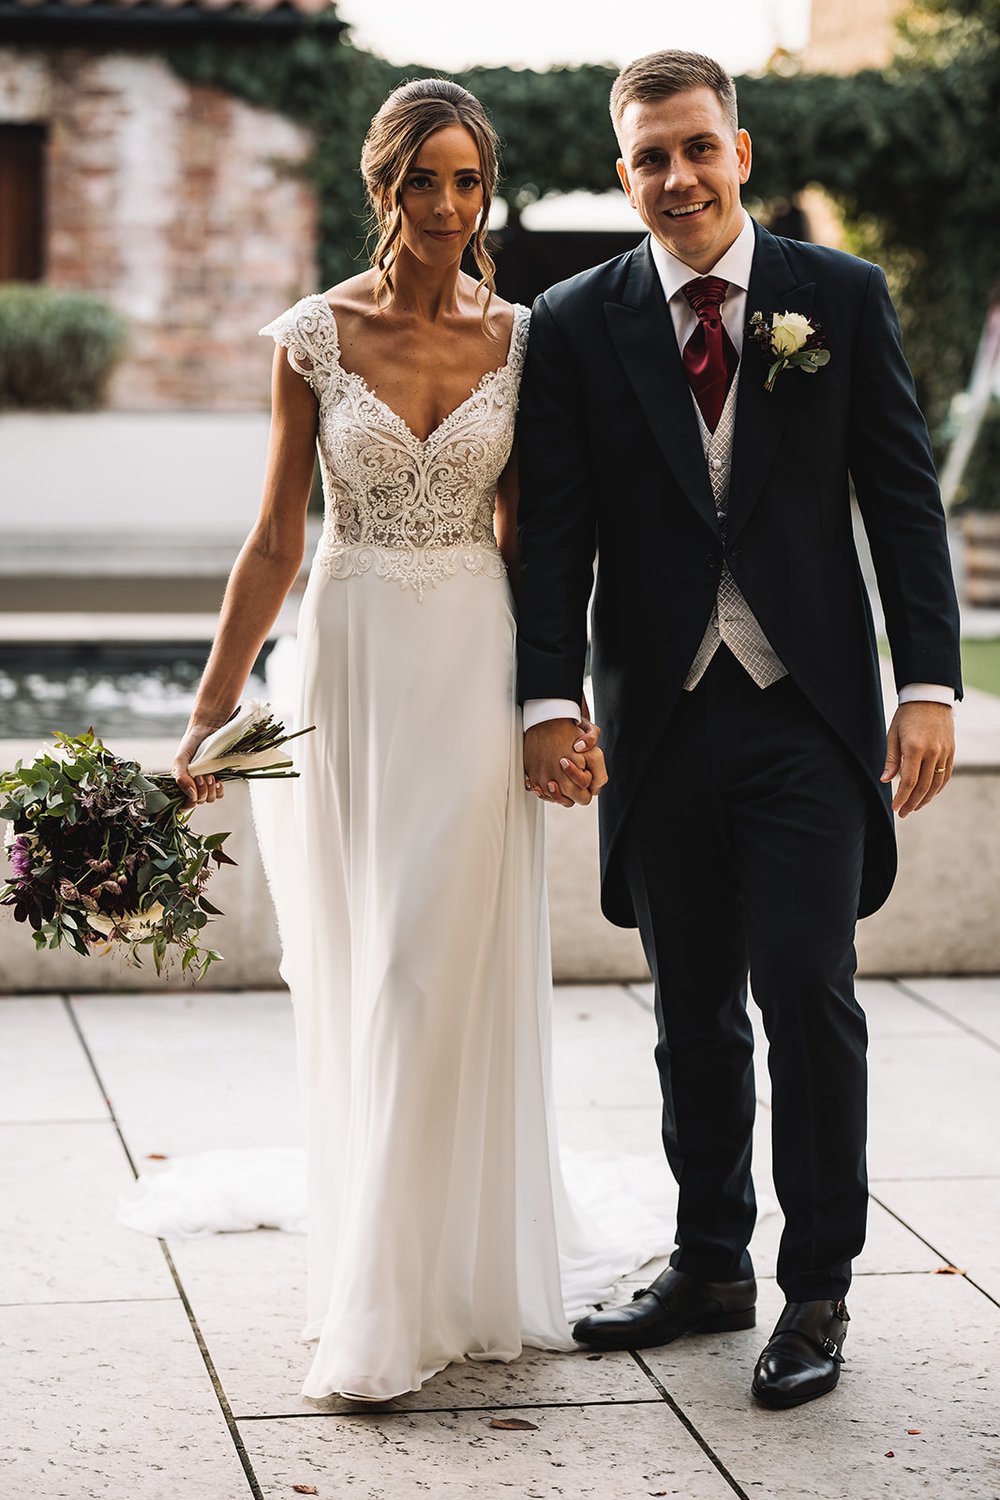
(22, 168)
(530, 261)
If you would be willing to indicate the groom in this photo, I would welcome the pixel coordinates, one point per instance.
(747, 822)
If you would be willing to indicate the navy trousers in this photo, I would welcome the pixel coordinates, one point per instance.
(743, 851)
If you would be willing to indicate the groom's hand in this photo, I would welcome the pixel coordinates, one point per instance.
(553, 766)
(920, 750)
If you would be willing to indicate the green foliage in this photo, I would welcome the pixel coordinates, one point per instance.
(555, 128)
(57, 349)
(913, 158)
(912, 155)
(980, 487)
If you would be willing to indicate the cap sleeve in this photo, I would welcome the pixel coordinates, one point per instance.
(309, 333)
(519, 339)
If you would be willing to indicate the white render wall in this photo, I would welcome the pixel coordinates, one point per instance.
(160, 475)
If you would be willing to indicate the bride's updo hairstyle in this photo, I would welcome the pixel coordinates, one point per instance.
(411, 114)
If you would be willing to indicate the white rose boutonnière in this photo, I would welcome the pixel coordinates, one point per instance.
(789, 342)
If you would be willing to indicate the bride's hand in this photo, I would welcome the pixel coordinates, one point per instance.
(590, 777)
(593, 756)
(196, 788)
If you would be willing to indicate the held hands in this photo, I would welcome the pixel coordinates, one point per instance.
(562, 762)
(196, 788)
(920, 749)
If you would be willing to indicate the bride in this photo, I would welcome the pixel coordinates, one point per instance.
(406, 863)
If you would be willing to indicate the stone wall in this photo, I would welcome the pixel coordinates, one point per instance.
(183, 207)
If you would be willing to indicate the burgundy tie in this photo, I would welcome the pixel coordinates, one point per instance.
(709, 357)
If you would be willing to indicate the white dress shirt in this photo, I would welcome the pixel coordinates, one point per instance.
(734, 266)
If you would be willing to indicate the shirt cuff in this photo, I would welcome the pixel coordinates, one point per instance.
(539, 710)
(927, 692)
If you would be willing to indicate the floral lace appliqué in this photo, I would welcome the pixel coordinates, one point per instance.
(413, 511)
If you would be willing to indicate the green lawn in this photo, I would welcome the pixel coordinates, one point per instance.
(981, 665)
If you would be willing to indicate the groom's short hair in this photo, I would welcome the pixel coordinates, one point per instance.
(661, 74)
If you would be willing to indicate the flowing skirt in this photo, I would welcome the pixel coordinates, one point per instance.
(407, 870)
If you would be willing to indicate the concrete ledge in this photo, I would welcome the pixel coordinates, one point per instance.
(141, 474)
(941, 918)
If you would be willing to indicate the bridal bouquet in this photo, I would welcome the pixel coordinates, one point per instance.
(102, 854)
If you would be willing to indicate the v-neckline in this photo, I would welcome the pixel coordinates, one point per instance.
(404, 426)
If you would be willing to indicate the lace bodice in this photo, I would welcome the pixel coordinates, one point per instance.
(414, 510)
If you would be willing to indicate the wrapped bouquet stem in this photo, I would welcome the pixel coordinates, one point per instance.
(249, 740)
(102, 854)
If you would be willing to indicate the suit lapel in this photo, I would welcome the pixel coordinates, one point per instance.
(642, 331)
(760, 414)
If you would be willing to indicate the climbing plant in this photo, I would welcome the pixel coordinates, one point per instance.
(911, 155)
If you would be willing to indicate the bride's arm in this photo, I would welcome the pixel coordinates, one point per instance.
(263, 573)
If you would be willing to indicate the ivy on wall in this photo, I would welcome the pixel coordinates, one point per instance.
(911, 155)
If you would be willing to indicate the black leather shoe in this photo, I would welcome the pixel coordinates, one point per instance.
(802, 1358)
(674, 1304)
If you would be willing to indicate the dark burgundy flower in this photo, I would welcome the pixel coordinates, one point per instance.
(20, 857)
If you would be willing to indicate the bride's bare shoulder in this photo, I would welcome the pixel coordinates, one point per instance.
(499, 307)
(352, 302)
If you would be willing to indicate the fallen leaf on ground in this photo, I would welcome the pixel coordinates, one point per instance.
(513, 1424)
(156, 1156)
(913, 1432)
(890, 1454)
(947, 1271)
(305, 1489)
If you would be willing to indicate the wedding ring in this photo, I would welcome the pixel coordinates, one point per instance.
(940, 770)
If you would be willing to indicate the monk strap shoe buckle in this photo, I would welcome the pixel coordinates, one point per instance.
(830, 1347)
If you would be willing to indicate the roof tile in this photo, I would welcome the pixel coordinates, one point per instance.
(305, 7)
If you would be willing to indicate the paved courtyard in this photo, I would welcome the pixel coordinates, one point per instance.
(136, 1369)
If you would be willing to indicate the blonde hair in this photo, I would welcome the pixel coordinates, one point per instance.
(411, 114)
(662, 74)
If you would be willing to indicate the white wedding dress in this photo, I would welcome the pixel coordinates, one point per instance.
(407, 870)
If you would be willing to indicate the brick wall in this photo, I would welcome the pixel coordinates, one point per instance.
(180, 205)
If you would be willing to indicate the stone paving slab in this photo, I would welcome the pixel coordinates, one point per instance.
(934, 1107)
(891, 1249)
(248, 1295)
(892, 1010)
(111, 1400)
(592, 1128)
(196, 1070)
(603, 1049)
(972, 1002)
(960, 1218)
(920, 1355)
(577, 1453)
(59, 1185)
(44, 1073)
